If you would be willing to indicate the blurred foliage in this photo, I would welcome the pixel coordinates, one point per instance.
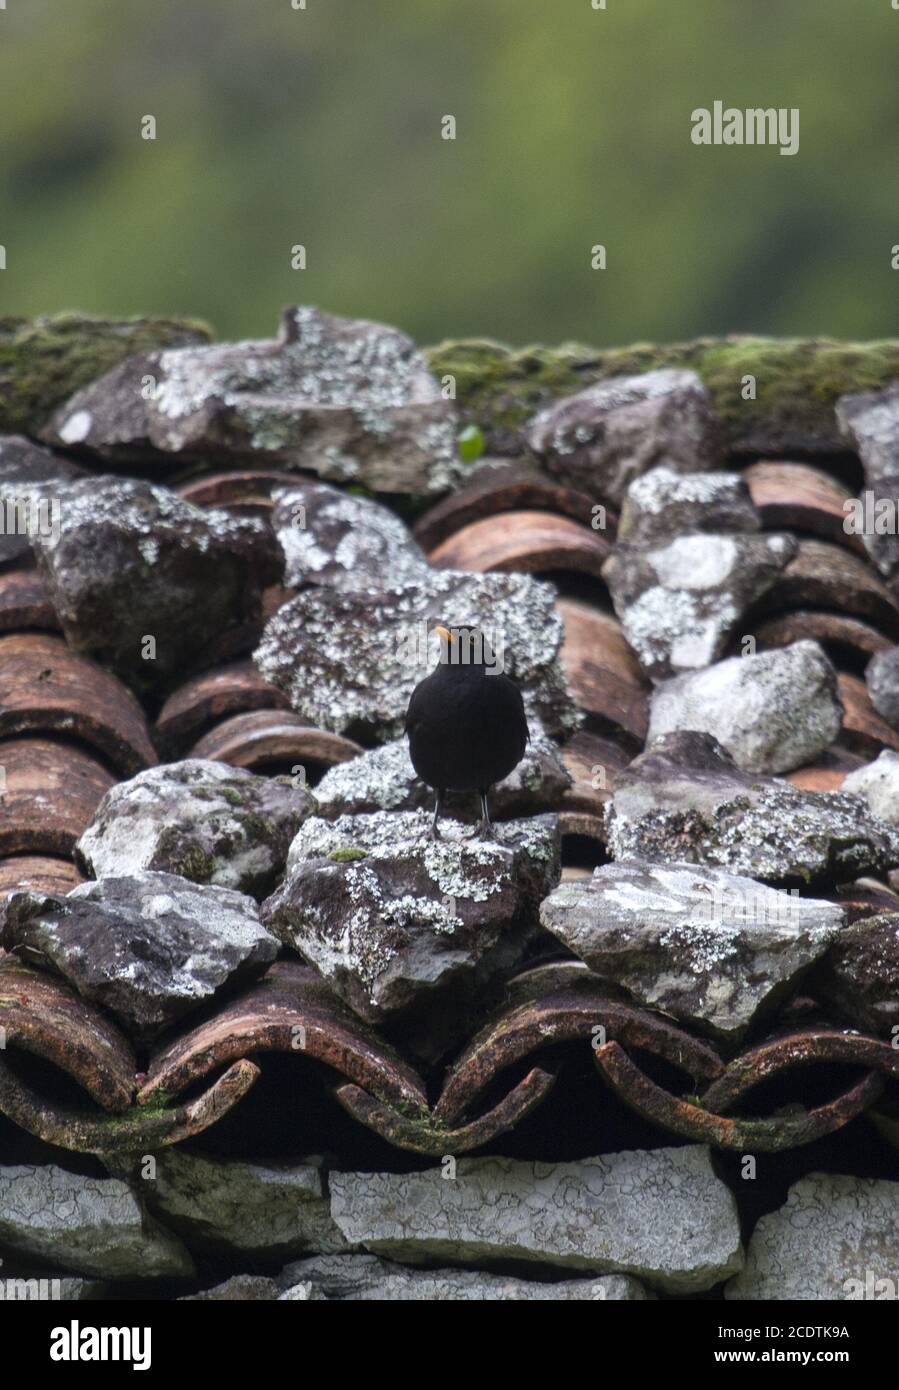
(321, 126)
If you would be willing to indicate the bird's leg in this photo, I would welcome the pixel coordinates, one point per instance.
(435, 833)
(485, 829)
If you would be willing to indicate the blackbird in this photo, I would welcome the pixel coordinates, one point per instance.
(466, 722)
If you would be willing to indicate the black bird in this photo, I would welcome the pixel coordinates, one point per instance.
(466, 722)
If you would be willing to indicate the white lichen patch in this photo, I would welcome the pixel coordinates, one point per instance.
(349, 660)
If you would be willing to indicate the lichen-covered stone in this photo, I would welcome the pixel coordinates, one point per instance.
(349, 400)
(148, 947)
(383, 779)
(710, 948)
(685, 801)
(882, 680)
(367, 1279)
(44, 361)
(603, 437)
(664, 503)
(798, 382)
(878, 783)
(144, 581)
(859, 976)
(33, 484)
(389, 916)
(661, 1216)
(93, 1226)
(202, 820)
(349, 661)
(334, 539)
(870, 421)
(265, 1211)
(772, 712)
(680, 603)
(837, 1237)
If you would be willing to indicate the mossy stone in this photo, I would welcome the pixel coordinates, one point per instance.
(43, 361)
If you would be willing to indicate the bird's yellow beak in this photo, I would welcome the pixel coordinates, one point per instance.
(444, 632)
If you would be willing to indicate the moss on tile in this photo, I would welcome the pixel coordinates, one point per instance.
(798, 382)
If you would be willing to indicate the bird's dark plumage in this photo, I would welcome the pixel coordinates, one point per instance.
(466, 723)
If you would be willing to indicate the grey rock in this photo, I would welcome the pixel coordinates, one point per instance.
(859, 976)
(264, 1210)
(33, 485)
(383, 779)
(388, 915)
(660, 1216)
(132, 561)
(94, 1226)
(349, 661)
(870, 422)
(878, 783)
(604, 437)
(836, 1238)
(882, 680)
(333, 539)
(663, 503)
(365, 1278)
(148, 947)
(240, 1288)
(710, 948)
(680, 603)
(202, 820)
(349, 400)
(685, 801)
(772, 712)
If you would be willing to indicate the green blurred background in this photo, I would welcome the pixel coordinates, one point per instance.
(321, 126)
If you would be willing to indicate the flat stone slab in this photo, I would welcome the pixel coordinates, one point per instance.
(660, 1216)
(389, 915)
(93, 1226)
(202, 820)
(837, 1237)
(264, 1210)
(710, 948)
(350, 400)
(366, 1279)
(685, 801)
(149, 947)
